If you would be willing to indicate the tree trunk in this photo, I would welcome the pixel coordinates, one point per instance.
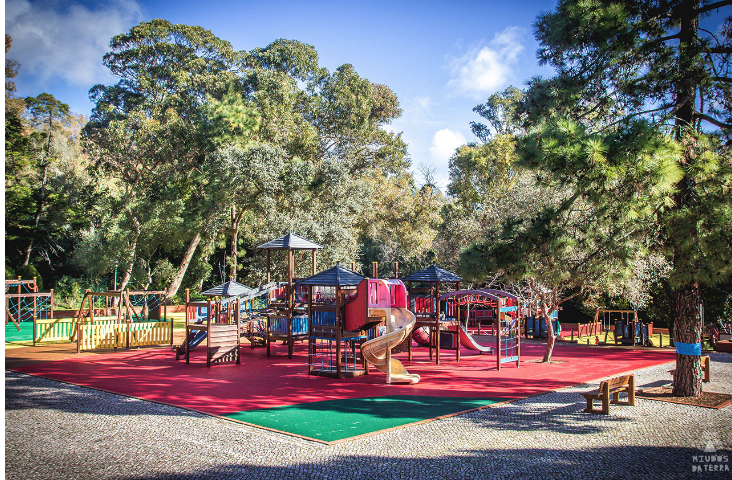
(688, 382)
(546, 313)
(133, 251)
(39, 211)
(178, 279)
(549, 338)
(235, 220)
(687, 325)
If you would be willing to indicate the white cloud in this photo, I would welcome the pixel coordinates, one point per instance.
(66, 42)
(487, 68)
(444, 143)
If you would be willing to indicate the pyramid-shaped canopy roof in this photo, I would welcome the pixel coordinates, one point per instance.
(334, 277)
(228, 289)
(290, 242)
(433, 273)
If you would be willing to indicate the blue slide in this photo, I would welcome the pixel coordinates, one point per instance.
(194, 339)
(198, 337)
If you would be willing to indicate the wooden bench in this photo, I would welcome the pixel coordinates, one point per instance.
(614, 386)
(704, 365)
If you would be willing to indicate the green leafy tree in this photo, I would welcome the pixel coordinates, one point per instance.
(580, 242)
(44, 112)
(151, 128)
(245, 182)
(317, 115)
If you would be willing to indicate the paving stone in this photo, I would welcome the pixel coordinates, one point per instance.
(60, 431)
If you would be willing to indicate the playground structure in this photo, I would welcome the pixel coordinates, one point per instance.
(424, 291)
(23, 302)
(110, 320)
(506, 308)
(288, 313)
(332, 348)
(253, 310)
(253, 307)
(216, 321)
(377, 301)
(626, 327)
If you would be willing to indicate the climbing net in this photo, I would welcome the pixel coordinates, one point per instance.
(148, 302)
(25, 307)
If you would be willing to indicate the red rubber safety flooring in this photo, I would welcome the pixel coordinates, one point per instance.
(265, 382)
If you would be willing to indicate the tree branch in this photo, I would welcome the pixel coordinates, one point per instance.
(713, 121)
(628, 117)
(712, 6)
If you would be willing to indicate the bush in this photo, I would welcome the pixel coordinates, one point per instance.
(28, 272)
(10, 273)
(69, 292)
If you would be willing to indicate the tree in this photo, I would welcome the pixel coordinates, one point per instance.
(245, 183)
(150, 129)
(580, 241)
(318, 115)
(402, 224)
(43, 110)
(655, 60)
(13, 106)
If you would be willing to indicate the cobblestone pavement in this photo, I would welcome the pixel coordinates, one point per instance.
(59, 431)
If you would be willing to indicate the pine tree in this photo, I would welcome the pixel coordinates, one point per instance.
(620, 61)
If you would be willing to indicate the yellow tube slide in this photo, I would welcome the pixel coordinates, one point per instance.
(378, 350)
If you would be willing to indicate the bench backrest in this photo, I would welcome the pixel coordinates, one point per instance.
(617, 382)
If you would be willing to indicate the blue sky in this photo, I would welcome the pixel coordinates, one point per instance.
(440, 58)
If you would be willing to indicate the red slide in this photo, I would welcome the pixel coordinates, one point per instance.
(467, 341)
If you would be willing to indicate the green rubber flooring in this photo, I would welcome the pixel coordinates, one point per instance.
(334, 420)
(24, 335)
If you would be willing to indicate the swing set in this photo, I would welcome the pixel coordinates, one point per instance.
(627, 328)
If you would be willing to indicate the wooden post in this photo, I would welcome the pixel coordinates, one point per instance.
(267, 333)
(208, 333)
(238, 331)
(498, 337)
(311, 342)
(128, 308)
(78, 333)
(374, 269)
(396, 269)
(268, 274)
(165, 315)
(290, 301)
(435, 289)
(188, 315)
(91, 308)
(314, 261)
(339, 326)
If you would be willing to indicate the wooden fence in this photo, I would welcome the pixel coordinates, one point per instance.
(122, 335)
(93, 332)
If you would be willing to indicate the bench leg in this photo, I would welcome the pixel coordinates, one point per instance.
(631, 391)
(606, 399)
